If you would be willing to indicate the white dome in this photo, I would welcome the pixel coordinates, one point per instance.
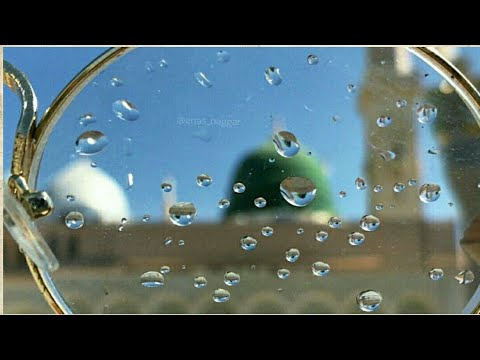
(97, 195)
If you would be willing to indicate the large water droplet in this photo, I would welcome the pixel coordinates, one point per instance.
(401, 103)
(387, 155)
(248, 243)
(320, 268)
(182, 213)
(369, 300)
(203, 180)
(426, 113)
(166, 187)
(87, 119)
(429, 192)
(321, 236)
(267, 231)
(74, 220)
(260, 202)
(292, 255)
(152, 279)
(165, 269)
(312, 59)
(221, 295)
(283, 273)
(398, 187)
(125, 110)
(286, 144)
(272, 75)
(384, 121)
(223, 203)
(465, 277)
(360, 183)
(202, 79)
(223, 56)
(369, 223)
(231, 279)
(298, 191)
(239, 188)
(91, 142)
(356, 238)
(436, 274)
(200, 282)
(335, 222)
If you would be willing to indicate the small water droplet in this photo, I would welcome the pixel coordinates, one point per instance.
(286, 144)
(412, 182)
(298, 191)
(335, 222)
(387, 155)
(231, 279)
(383, 62)
(321, 236)
(166, 187)
(369, 223)
(200, 282)
(70, 198)
(116, 82)
(351, 88)
(272, 75)
(398, 187)
(127, 146)
(309, 153)
(202, 80)
(120, 228)
(152, 279)
(184, 267)
(129, 181)
(248, 243)
(223, 203)
(123, 220)
(336, 118)
(149, 66)
(168, 241)
(436, 274)
(369, 300)
(163, 64)
(356, 238)
(271, 160)
(239, 188)
(125, 110)
(342, 194)
(283, 273)
(320, 268)
(401, 103)
(465, 277)
(384, 121)
(300, 231)
(267, 231)
(203, 180)
(181, 242)
(378, 188)
(90, 143)
(221, 295)
(146, 218)
(379, 207)
(292, 255)
(307, 108)
(360, 183)
(93, 164)
(450, 204)
(312, 59)
(223, 56)
(433, 151)
(426, 113)
(429, 193)
(260, 202)
(165, 269)
(182, 213)
(74, 220)
(87, 119)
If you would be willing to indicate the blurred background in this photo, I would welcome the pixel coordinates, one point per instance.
(167, 115)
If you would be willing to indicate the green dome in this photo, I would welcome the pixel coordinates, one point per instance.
(262, 178)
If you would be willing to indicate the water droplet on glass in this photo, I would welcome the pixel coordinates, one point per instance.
(74, 220)
(166, 187)
(401, 103)
(163, 64)
(300, 231)
(283, 273)
(184, 267)
(436, 274)
(412, 182)
(181, 242)
(426, 113)
(369, 223)
(320, 268)
(182, 213)
(87, 119)
(125, 110)
(168, 241)
(335, 222)
(127, 146)
(93, 164)
(351, 88)
(398, 187)
(267, 231)
(199, 282)
(465, 277)
(336, 118)
(356, 238)
(70, 198)
(307, 108)
(429, 192)
(120, 228)
(248, 243)
(369, 300)
(146, 218)
(379, 207)
(312, 59)
(342, 194)
(292, 255)
(309, 153)
(203, 180)
(272, 75)
(116, 82)
(90, 143)
(384, 121)
(129, 181)
(149, 66)
(450, 204)
(223, 203)
(360, 183)
(165, 269)
(223, 56)
(271, 160)
(298, 191)
(221, 295)
(152, 279)
(387, 155)
(202, 79)
(286, 144)
(231, 279)
(378, 188)
(260, 202)
(321, 236)
(253, 267)
(123, 220)
(433, 151)
(239, 188)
